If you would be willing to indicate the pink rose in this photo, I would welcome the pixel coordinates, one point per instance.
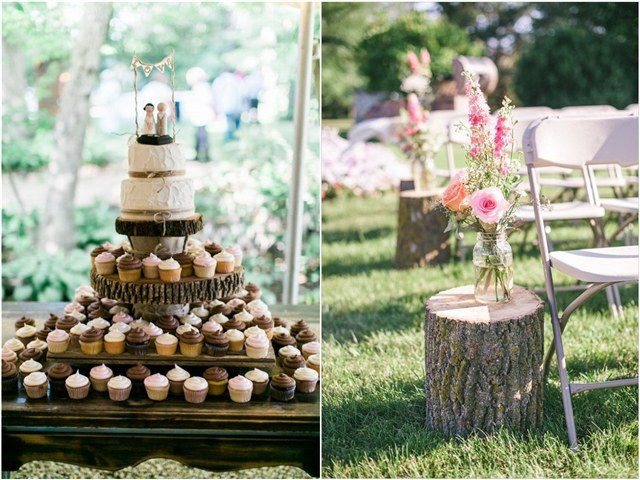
(488, 204)
(455, 196)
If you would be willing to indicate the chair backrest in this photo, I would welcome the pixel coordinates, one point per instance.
(575, 142)
(586, 109)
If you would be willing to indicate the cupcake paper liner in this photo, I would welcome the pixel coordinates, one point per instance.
(36, 391)
(217, 389)
(99, 385)
(157, 393)
(240, 396)
(176, 387)
(306, 386)
(215, 351)
(282, 395)
(119, 394)
(195, 396)
(114, 348)
(78, 393)
(166, 349)
(190, 349)
(58, 347)
(256, 352)
(138, 349)
(90, 348)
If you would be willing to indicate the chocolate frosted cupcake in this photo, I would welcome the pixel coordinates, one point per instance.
(66, 323)
(224, 309)
(118, 252)
(280, 322)
(297, 327)
(108, 303)
(100, 312)
(9, 378)
(137, 342)
(43, 333)
(93, 306)
(50, 323)
(266, 324)
(305, 336)
(85, 300)
(191, 343)
(216, 344)
(280, 340)
(213, 248)
(168, 323)
(186, 263)
(253, 292)
(137, 374)
(292, 363)
(217, 377)
(234, 324)
(58, 373)
(31, 354)
(283, 387)
(129, 268)
(22, 321)
(91, 341)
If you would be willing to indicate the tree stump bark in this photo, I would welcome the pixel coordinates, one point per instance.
(483, 362)
(421, 239)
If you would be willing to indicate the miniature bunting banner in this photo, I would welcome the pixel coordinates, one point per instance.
(148, 67)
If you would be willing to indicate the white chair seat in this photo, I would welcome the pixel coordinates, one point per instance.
(611, 264)
(620, 205)
(562, 211)
(578, 182)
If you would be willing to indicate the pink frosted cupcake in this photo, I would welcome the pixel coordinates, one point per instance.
(310, 348)
(205, 266)
(258, 309)
(153, 331)
(257, 346)
(150, 266)
(240, 389)
(122, 317)
(211, 326)
(157, 386)
(58, 341)
(195, 389)
(105, 263)
(9, 355)
(237, 254)
(99, 377)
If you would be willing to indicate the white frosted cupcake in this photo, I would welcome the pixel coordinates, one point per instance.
(77, 385)
(257, 345)
(157, 386)
(177, 376)
(35, 385)
(211, 327)
(123, 328)
(114, 342)
(225, 262)
(245, 317)
(240, 389)
(195, 389)
(220, 318)
(99, 377)
(236, 340)
(105, 263)
(150, 266)
(205, 265)
(169, 270)
(119, 388)
(258, 308)
(288, 351)
(314, 362)
(306, 379)
(237, 254)
(310, 348)
(260, 380)
(166, 344)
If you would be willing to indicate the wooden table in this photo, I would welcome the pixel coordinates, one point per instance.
(215, 435)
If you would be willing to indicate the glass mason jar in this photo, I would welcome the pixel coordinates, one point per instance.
(493, 268)
(423, 174)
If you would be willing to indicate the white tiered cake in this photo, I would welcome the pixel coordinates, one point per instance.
(157, 184)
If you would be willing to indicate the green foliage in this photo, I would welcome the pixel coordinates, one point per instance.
(382, 54)
(585, 54)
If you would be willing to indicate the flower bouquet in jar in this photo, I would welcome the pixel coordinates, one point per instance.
(484, 195)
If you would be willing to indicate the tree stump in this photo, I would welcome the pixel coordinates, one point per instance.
(483, 362)
(421, 239)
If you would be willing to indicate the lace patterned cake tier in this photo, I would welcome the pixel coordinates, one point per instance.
(149, 198)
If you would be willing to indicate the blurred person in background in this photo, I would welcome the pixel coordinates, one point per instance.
(253, 84)
(201, 111)
(228, 100)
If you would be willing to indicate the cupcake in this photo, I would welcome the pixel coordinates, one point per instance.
(9, 378)
(257, 346)
(74, 334)
(122, 317)
(314, 362)
(66, 323)
(201, 312)
(214, 303)
(22, 321)
(35, 385)
(74, 307)
(191, 319)
(283, 387)
(195, 389)
(129, 268)
(220, 318)
(43, 333)
(204, 266)
(157, 386)
(99, 377)
(240, 389)
(91, 341)
(150, 266)
(31, 354)
(280, 340)
(177, 377)
(166, 344)
(100, 313)
(120, 327)
(26, 334)
(217, 377)
(9, 355)
(258, 308)
(216, 344)
(14, 345)
(226, 262)
(153, 331)
(183, 329)
(280, 330)
(287, 351)
(114, 342)
(81, 317)
(50, 322)
(191, 343)
(39, 345)
(137, 342)
(310, 348)
(138, 323)
(137, 374)
(211, 327)
(97, 251)
(58, 373)
(265, 324)
(306, 379)
(118, 251)
(212, 248)
(168, 323)
(85, 295)
(100, 324)
(245, 317)
(237, 305)
(58, 341)
(291, 363)
(280, 322)
(297, 327)
(115, 310)
(253, 331)
(77, 386)
(169, 270)
(223, 309)
(234, 324)
(305, 336)
(253, 292)
(105, 263)
(186, 263)
(119, 388)
(237, 255)
(260, 380)
(236, 340)
(108, 303)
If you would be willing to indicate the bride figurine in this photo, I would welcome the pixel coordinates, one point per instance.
(162, 119)
(149, 127)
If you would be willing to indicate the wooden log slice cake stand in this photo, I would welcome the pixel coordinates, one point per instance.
(483, 362)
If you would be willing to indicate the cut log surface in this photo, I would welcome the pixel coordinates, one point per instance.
(483, 362)
(168, 228)
(187, 290)
(421, 239)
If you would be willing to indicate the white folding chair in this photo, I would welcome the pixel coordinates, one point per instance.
(577, 143)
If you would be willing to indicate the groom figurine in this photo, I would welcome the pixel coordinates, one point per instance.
(155, 133)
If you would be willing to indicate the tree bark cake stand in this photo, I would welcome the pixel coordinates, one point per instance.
(421, 239)
(483, 362)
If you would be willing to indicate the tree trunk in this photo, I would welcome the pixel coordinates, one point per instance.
(483, 362)
(14, 85)
(57, 225)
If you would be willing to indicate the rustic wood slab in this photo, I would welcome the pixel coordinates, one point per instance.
(168, 228)
(421, 239)
(483, 362)
(187, 290)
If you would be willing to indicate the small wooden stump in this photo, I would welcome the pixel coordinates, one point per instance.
(483, 362)
(421, 238)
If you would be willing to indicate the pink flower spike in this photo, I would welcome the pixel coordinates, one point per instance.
(416, 114)
(413, 62)
(425, 57)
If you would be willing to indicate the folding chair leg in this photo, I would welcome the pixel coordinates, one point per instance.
(614, 305)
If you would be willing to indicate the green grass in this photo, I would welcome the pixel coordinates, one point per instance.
(373, 373)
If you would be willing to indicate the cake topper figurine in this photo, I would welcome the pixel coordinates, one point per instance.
(154, 133)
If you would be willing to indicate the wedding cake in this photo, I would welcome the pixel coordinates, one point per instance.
(157, 186)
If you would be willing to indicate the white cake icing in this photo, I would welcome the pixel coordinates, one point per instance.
(157, 187)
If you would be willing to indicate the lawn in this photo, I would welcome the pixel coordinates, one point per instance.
(373, 372)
